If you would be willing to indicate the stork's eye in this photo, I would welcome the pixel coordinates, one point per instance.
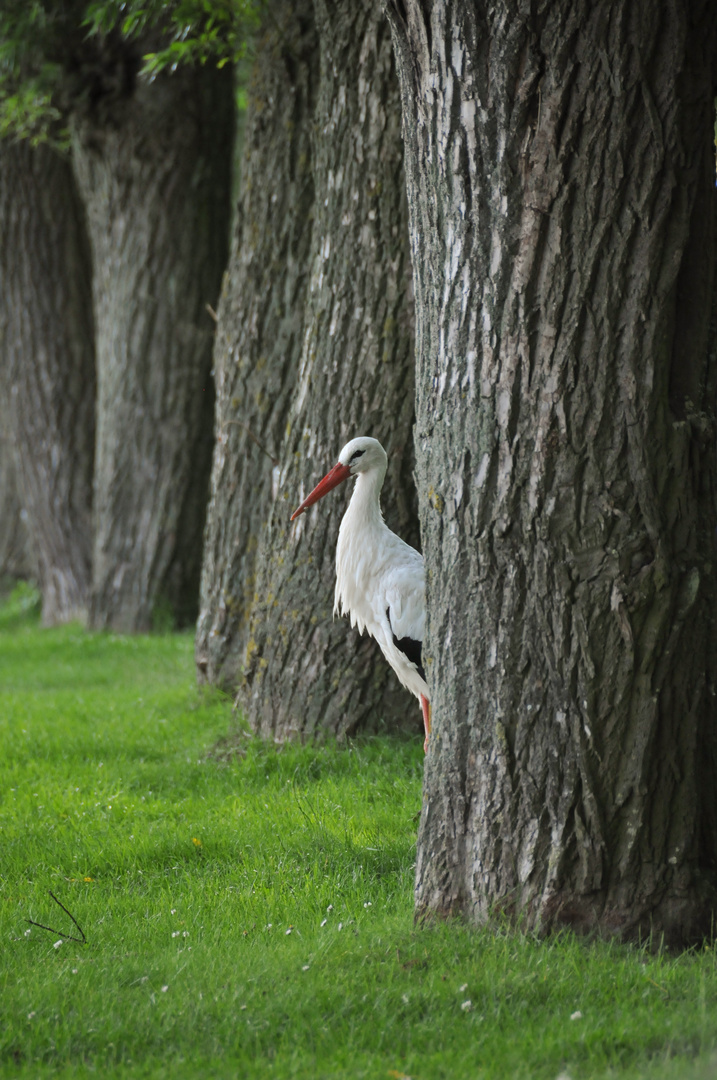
(357, 454)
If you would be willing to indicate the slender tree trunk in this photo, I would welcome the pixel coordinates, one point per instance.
(305, 674)
(47, 374)
(561, 187)
(153, 162)
(258, 342)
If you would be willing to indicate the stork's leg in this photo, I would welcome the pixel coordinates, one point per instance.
(426, 710)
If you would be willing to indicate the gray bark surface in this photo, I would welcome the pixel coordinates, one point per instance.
(47, 376)
(305, 674)
(16, 555)
(259, 332)
(560, 167)
(153, 164)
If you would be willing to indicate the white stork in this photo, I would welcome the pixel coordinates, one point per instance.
(380, 580)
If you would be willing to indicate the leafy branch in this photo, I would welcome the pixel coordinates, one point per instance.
(45, 45)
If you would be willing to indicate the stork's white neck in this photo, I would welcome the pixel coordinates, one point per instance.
(364, 510)
(361, 540)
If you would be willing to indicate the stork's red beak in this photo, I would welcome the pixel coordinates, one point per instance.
(336, 476)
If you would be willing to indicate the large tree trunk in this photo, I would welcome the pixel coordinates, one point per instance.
(259, 333)
(561, 187)
(305, 674)
(47, 376)
(153, 162)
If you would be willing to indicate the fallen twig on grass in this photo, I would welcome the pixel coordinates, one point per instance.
(66, 937)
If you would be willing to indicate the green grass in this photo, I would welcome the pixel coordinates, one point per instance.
(187, 871)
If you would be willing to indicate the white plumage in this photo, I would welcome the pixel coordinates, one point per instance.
(380, 581)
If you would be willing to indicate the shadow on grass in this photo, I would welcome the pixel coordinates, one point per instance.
(311, 760)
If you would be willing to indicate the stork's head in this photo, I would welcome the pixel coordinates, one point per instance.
(361, 455)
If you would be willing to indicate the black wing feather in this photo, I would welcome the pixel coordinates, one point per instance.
(410, 648)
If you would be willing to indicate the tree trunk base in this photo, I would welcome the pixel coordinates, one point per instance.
(676, 921)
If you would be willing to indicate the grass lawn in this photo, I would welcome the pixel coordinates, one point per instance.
(252, 917)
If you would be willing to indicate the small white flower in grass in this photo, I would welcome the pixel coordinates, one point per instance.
(341, 926)
(576, 1015)
(323, 923)
(57, 944)
(404, 999)
(29, 931)
(242, 1007)
(330, 907)
(185, 933)
(30, 1015)
(165, 989)
(461, 989)
(369, 904)
(306, 967)
(466, 1006)
(175, 933)
(289, 930)
(74, 971)
(173, 911)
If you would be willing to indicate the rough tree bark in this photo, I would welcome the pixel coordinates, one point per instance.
(304, 674)
(258, 341)
(47, 375)
(153, 163)
(561, 191)
(16, 555)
